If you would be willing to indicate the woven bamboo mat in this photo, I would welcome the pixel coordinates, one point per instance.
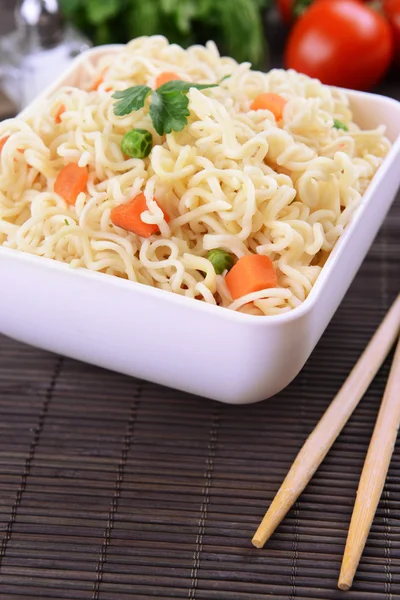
(113, 488)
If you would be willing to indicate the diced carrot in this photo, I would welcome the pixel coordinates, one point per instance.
(60, 111)
(97, 84)
(71, 181)
(3, 141)
(165, 77)
(108, 89)
(271, 102)
(251, 273)
(128, 216)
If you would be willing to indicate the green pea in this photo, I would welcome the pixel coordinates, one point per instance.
(339, 125)
(137, 143)
(220, 260)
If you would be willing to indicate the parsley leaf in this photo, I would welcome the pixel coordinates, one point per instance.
(169, 112)
(182, 86)
(169, 108)
(339, 125)
(130, 99)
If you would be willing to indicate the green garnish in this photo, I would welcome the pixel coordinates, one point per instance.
(66, 221)
(130, 99)
(137, 143)
(339, 125)
(220, 260)
(169, 103)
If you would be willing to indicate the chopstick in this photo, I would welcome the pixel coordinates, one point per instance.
(373, 475)
(331, 423)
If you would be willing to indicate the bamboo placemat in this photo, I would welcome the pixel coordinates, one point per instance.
(114, 488)
(117, 489)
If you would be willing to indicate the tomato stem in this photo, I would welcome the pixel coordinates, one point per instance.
(377, 6)
(300, 6)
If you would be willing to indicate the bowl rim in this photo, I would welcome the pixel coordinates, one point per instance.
(135, 287)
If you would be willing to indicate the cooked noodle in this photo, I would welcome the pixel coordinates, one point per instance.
(232, 179)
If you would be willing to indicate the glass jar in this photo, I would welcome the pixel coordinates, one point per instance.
(40, 48)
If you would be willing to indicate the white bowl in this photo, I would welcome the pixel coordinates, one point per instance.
(176, 341)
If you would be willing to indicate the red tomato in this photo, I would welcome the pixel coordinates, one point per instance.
(392, 11)
(342, 43)
(291, 9)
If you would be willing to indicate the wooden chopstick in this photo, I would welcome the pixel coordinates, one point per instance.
(331, 424)
(373, 475)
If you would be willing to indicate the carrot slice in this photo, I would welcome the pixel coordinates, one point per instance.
(128, 216)
(61, 110)
(165, 77)
(96, 84)
(3, 141)
(70, 182)
(271, 102)
(251, 273)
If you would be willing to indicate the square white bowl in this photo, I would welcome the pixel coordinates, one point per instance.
(174, 340)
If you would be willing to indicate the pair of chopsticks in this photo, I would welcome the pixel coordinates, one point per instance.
(321, 439)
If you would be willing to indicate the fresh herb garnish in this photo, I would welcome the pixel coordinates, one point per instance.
(137, 143)
(339, 125)
(169, 107)
(130, 99)
(66, 221)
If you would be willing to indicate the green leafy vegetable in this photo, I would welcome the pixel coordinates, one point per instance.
(220, 260)
(130, 99)
(145, 18)
(69, 7)
(169, 108)
(235, 25)
(339, 125)
(183, 11)
(98, 11)
(242, 29)
(137, 143)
